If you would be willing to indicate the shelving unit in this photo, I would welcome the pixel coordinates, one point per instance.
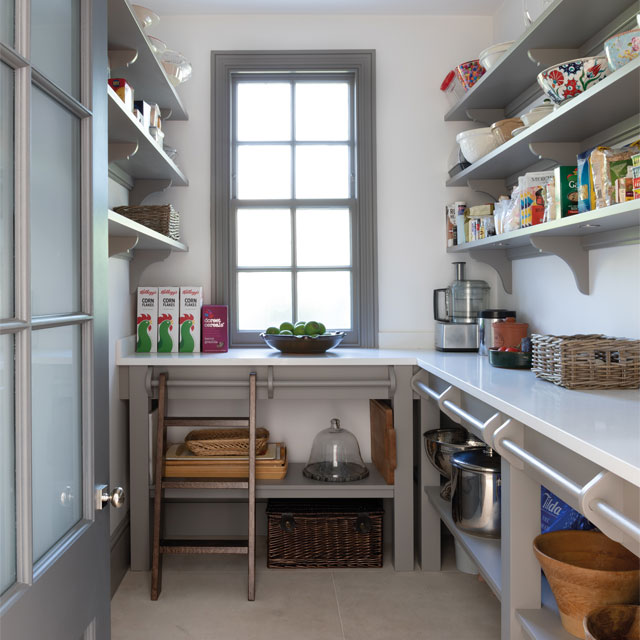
(485, 552)
(543, 623)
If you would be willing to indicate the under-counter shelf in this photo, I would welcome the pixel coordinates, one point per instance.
(145, 74)
(485, 552)
(500, 88)
(611, 102)
(543, 623)
(568, 238)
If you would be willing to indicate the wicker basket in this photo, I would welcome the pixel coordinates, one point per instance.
(322, 534)
(162, 218)
(587, 361)
(225, 442)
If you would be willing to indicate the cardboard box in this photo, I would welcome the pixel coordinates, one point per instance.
(190, 320)
(168, 312)
(215, 328)
(145, 109)
(147, 320)
(566, 191)
(623, 190)
(124, 91)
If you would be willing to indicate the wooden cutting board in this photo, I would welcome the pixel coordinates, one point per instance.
(383, 439)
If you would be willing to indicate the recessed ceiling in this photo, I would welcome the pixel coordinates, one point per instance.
(423, 7)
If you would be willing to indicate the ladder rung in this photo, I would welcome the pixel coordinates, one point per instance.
(204, 483)
(204, 546)
(206, 422)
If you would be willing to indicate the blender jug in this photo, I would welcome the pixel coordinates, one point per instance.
(463, 299)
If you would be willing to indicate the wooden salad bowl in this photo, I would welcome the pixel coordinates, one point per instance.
(614, 622)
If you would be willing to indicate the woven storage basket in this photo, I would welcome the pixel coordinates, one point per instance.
(162, 218)
(587, 361)
(323, 534)
(225, 442)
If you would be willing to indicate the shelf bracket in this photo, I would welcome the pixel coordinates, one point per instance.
(140, 262)
(498, 259)
(142, 189)
(547, 57)
(492, 188)
(122, 58)
(121, 244)
(485, 116)
(165, 112)
(122, 150)
(560, 152)
(570, 250)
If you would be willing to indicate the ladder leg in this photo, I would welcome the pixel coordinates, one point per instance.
(251, 551)
(156, 558)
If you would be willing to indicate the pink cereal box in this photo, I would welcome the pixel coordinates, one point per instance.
(168, 311)
(215, 328)
(147, 319)
(190, 305)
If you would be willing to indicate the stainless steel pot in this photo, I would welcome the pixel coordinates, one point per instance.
(486, 323)
(475, 492)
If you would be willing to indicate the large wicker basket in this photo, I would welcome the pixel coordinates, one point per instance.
(587, 361)
(225, 442)
(162, 218)
(324, 533)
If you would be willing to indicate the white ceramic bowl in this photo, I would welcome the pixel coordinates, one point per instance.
(146, 17)
(157, 46)
(537, 113)
(476, 143)
(178, 68)
(490, 56)
(573, 77)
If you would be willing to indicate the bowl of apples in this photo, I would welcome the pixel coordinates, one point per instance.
(302, 337)
(512, 357)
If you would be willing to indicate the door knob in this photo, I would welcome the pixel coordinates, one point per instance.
(116, 497)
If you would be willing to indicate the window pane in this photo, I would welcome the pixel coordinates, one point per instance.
(323, 238)
(322, 171)
(322, 111)
(264, 300)
(325, 296)
(7, 13)
(264, 111)
(6, 190)
(55, 42)
(55, 207)
(264, 237)
(264, 172)
(56, 414)
(7, 465)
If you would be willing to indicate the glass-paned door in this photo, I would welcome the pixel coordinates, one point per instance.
(53, 540)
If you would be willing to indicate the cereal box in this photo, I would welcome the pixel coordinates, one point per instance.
(147, 320)
(168, 308)
(566, 191)
(215, 328)
(190, 305)
(532, 196)
(124, 91)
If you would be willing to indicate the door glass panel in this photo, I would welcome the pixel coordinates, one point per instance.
(55, 207)
(56, 414)
(7, 464)
(7, 13)
(322, 171)
(325, 296)
(6, 190)
(264, 300)
(323, 238)
(264, 111)
(322, 111)
(264, 237)
(264, 171)
(55, 42)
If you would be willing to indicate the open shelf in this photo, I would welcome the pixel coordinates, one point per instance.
(485, 552)
(606, 104)
(147, 239)
(543, 623)
(500, 87)
(145, 74)
(295, 485)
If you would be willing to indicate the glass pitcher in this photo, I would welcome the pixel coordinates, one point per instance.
(464, 299)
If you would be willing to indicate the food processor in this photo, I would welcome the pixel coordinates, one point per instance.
(457, 329)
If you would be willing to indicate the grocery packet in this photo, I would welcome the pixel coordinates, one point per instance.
(147, 319)
(556, 515)
(532, 196)
(566, 191)
(607, 166)
(190, 319)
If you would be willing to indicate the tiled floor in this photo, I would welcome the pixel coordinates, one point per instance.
(204, 598)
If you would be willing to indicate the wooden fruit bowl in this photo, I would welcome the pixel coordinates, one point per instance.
(615, 622)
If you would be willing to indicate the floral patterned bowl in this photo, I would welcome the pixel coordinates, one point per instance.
(622, 48)
(571, 78)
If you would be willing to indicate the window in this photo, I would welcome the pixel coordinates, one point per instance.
(294, 184)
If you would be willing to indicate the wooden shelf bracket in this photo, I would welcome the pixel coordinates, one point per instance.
(485, 116)
(560, 152)
(141, 261)
(122, 150)
(122, 58)
(492, 188)
(499, 260)
(570, 250)
(121, 244)
(546, 57)
(142, 189)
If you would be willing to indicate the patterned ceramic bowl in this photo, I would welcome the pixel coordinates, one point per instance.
(573, 77)
(622, 48)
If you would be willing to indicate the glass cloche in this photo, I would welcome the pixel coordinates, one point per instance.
(335, 456)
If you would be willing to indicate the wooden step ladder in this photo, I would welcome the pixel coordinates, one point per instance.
(162, 546)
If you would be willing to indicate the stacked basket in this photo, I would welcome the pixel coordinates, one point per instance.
(162, 218)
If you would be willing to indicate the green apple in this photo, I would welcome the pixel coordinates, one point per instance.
(286, 326)
(272, 331)
(312, 328)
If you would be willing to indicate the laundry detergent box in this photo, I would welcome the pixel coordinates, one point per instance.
(147, 319)
(190, 306)
(215, 328)
(168, 310)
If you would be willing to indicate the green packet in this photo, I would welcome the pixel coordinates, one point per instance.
(566, 190)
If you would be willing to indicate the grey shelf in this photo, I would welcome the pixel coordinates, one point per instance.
(146, 75)
(612, 101)
(543, 623)
(147, 239)
(295, 485)
(149, 162)
(485, 552)
(516, 72)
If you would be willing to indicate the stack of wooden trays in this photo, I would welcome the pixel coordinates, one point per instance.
(180, 463)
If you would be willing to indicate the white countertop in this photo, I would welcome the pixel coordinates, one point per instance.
(602, 426)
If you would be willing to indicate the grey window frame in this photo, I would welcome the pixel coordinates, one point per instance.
(361, 63)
